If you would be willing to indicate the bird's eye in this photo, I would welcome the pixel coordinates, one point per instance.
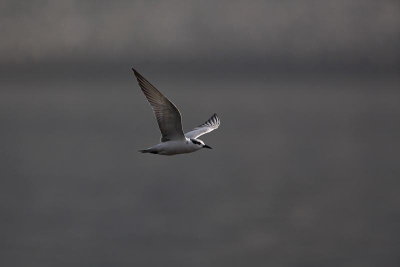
(195, 142)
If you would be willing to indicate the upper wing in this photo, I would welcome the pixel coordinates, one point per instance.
(167, 115)
(210, 125)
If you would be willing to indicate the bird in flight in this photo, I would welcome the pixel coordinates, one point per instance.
(173, 140)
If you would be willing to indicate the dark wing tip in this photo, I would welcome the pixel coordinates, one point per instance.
(216, 119)
(137, 74)
(139, 77)
(215, 116)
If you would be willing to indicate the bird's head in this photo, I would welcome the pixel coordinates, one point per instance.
(200, 143)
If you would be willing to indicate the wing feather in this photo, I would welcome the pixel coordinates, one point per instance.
(210, 125)
(167, 114)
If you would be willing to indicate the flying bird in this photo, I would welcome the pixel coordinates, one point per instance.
(173, 140)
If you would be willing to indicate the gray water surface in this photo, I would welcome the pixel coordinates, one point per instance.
(302, 174)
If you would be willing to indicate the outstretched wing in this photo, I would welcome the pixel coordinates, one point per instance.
(210, 125)
(167, 114)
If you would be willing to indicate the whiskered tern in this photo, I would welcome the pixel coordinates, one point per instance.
(173, 140)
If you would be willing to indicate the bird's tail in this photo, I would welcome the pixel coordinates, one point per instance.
(149, 150)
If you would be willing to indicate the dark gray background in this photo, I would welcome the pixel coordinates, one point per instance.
(305, 166)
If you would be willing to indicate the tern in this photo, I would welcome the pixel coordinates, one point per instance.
(173, 140)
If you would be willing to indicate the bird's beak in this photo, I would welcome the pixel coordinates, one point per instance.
(206, 146)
